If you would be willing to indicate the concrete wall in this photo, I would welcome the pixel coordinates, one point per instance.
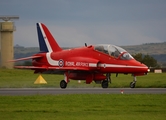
(6, 44)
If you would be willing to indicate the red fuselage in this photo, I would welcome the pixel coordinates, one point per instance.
(88, 58)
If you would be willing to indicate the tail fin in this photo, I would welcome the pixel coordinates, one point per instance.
(47, 43)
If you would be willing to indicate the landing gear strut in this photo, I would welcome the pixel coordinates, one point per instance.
(63, 83)
(104, 83)
(108, 75)
(132, 84)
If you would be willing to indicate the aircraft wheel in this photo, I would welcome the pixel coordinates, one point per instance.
(104, 84)
(63, 84)
(132, 85)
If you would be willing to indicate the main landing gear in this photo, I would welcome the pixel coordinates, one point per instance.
(63, 84)
(104, 83)
(132, 84)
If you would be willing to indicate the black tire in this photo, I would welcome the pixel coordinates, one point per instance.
(132, 85)
(63, 84)
(104, 84)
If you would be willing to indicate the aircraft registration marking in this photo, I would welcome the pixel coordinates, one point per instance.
(80, 64)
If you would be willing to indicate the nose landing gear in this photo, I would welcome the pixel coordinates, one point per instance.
(132, 84)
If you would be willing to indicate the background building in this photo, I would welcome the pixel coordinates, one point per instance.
(6, 41)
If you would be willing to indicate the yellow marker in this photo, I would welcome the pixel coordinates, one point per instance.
(40, 80)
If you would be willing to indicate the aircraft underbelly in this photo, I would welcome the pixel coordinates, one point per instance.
(87, 76)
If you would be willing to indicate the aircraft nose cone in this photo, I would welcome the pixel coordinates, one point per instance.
(143, 68)
(146, 69)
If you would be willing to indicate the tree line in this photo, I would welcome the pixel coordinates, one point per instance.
(147, 60)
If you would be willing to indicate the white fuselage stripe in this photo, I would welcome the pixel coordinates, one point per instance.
(50, 60)
(119, 66)
(92, 65)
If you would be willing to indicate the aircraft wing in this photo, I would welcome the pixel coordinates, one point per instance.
(53, 68)
(69, 68)
(26, 58)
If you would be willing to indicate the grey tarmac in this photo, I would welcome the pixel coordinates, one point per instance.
(57, 91)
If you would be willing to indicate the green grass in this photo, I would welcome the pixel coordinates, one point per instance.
(84, 107)
(16, 78)
(81, 106)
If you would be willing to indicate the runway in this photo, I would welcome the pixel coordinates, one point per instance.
(57, 91)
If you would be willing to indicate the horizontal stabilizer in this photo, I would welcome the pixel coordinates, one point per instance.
(26, 58)
(29, 67)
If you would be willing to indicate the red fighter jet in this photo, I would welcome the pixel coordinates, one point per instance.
(89, 63)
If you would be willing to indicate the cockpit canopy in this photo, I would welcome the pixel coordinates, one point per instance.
(113, 51)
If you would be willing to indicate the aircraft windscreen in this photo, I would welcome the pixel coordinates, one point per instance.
(113, 51)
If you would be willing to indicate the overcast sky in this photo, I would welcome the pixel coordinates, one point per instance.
(75, 22)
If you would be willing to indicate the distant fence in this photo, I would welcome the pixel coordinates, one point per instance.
(157, 70)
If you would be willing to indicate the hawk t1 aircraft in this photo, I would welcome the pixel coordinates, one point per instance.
(89, 63)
